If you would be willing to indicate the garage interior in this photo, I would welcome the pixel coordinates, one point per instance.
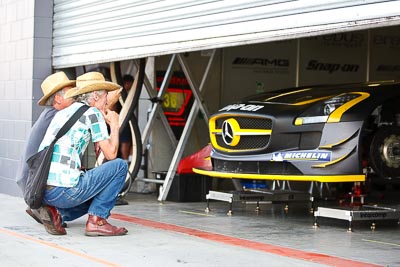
(218, 77)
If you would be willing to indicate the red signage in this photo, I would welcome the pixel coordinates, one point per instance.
(177, 99)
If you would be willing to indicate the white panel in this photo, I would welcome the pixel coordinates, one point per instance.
(262, 68)
(338, 58)
(94, 31)
(385, 54)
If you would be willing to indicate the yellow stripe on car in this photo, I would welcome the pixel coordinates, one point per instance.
(300, 178)
(323, 165)
(336, 115)
(288, 93)
(340, 142)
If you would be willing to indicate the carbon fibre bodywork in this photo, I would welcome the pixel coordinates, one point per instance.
(315, 133)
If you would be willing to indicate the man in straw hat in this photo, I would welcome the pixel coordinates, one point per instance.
(53, 87)
(71, 192)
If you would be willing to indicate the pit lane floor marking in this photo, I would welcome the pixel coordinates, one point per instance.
(55, 246)
(196, 213)
(247, 244)
(381, 242)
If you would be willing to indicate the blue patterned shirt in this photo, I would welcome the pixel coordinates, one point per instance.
(66, 161)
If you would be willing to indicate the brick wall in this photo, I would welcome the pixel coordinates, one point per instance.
(25, 59)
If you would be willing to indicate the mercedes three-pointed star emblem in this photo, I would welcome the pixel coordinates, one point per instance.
(227, 132)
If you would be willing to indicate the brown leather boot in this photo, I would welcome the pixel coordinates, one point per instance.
(51, 220)
(97, 226)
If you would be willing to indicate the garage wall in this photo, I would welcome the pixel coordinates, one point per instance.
(93, 31)
(385, 54)
(359, 56)
(258, 68)
(335, 58)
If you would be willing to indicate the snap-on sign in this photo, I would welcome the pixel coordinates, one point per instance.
(243, 107)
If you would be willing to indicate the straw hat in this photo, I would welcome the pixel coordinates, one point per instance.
(89, 82)
(54, 83)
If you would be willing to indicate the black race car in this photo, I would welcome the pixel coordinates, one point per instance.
(328, 133)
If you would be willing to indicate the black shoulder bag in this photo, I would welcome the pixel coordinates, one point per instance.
(39, 165)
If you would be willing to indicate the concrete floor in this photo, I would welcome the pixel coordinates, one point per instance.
(182, 234)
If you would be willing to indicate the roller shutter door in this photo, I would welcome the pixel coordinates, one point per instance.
(94, 31)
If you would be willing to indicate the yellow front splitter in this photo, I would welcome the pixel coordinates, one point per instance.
(302, 178)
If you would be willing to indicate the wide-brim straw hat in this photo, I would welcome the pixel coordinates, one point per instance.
(89, 82)
(53, 84)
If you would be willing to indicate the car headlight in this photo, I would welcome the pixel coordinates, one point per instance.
(331, 109)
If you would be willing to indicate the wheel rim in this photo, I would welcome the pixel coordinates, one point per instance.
(390, 151)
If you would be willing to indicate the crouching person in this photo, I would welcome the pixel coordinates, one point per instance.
(71, 192)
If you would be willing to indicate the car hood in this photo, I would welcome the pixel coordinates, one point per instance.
(297, 100)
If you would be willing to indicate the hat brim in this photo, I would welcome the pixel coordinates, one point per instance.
(95, 86)
(42, 101)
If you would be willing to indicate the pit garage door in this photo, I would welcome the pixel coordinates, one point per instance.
(94, 31)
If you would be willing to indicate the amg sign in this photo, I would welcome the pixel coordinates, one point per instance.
(266, 62)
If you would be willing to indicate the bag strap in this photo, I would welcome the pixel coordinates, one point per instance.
(71, 122)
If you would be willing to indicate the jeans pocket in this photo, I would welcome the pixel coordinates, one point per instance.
(73, 196)
(52, 196)
(64, 197)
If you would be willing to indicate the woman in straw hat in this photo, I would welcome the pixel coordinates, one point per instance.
(53, 87)
(72, 193)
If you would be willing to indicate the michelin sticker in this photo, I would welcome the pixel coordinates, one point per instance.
(242, 107)
(302, 156)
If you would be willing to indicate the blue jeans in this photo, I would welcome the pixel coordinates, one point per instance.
(95, 193)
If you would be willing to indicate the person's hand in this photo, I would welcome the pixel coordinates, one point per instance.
(112, 98)
(111, 117)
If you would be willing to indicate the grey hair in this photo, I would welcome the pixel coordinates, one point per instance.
(87, 98)
(50, 100)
